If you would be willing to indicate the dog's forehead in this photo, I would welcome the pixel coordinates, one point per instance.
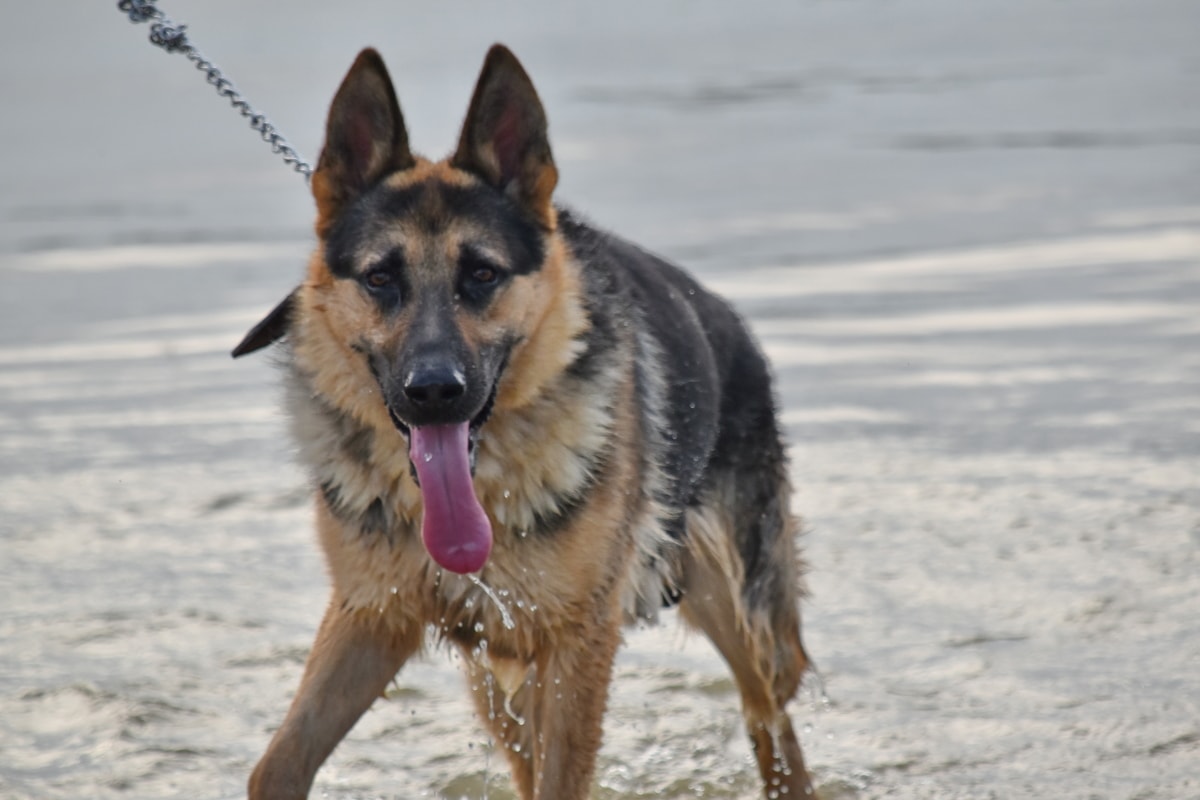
(426, 217)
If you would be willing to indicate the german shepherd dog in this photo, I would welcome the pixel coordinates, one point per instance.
(490, 394)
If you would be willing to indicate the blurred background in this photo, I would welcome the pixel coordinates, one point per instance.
(968, 235)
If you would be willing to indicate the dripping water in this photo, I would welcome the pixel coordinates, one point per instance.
(505, 617)
(508, 709)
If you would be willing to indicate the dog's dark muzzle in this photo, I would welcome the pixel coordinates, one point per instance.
(435, 393)
(435, 397)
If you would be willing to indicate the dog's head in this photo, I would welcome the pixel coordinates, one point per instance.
(436, 276)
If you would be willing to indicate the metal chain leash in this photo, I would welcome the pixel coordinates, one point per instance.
(172, 37)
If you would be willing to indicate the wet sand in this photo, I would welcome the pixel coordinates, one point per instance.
(969, 238)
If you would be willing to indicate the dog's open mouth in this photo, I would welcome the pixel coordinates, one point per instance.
(455, 529)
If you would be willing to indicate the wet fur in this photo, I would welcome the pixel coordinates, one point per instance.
(631, 460)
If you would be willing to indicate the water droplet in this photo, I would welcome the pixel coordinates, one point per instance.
(427, 457)
(505, 617)
(479, 627)
(507, 494)
(491, 689)
(508, 709)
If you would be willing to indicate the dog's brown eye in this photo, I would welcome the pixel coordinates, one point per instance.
(478, 277)
(377, 279)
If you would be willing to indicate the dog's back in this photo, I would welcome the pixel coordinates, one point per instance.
(704, 387)
(710, 427)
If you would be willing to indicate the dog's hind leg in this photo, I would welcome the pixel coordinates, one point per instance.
(752, 617)
(355, 655)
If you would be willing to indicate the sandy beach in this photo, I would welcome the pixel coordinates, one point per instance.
(968, 236)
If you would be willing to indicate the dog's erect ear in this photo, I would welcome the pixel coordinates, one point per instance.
(272, 327)
(365, 138)
(504, 138)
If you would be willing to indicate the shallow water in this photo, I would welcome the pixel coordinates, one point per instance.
(970, 242)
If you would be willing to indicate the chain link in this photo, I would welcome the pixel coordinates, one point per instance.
(172, 37)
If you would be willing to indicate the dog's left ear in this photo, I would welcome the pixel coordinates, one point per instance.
(504, 139)
(272, 327)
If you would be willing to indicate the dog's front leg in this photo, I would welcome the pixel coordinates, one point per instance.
(355, 654)
(571, 695)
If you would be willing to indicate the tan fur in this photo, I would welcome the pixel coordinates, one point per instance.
(390, 593)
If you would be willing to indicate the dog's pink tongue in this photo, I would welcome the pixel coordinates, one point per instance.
(456, 531)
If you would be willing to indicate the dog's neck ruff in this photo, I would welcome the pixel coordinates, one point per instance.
(530, 463)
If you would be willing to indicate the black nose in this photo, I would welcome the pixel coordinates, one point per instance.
(433, 385)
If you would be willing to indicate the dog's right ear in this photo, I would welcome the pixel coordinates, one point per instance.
(365, 138)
